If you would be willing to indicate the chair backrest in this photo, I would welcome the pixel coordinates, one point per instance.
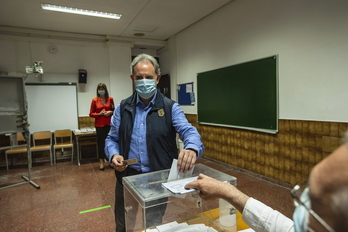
(42, 135)
(17, 139)
(63, 134)
(20, 138)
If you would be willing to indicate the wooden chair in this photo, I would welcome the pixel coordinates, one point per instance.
(63, 139)
(42, 141)
(16, 150)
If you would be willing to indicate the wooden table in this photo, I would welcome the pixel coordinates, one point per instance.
(82, 135)
(210, 218)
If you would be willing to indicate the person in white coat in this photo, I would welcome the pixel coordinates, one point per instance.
(321, 202)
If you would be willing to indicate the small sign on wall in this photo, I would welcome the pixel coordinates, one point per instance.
(186, 95)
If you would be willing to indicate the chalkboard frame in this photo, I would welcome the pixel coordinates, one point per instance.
(231, 96)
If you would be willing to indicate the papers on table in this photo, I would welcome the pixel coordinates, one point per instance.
(84, 130)
(182, 227)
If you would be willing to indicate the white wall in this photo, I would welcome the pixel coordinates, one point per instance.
(310, 37)
(120, 81)
(109, 65)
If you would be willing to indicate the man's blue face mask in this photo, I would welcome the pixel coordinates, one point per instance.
(146, 88)
(301, 214)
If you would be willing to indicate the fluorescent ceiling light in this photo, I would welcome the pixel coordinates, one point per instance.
(80, 11)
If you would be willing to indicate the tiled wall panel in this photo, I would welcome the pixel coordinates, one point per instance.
(287, 156)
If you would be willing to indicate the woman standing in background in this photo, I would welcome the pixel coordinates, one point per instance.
(102, 109)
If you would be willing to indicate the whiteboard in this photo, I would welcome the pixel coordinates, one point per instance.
(52, 106)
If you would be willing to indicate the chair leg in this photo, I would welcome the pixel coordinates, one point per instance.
(80, 155)
(72, 155)
(51, 157)
(6, 162)
(54, 156)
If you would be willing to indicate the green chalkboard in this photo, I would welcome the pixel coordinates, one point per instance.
(242, 96)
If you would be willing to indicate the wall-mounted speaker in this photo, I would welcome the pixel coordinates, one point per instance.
(82, 76)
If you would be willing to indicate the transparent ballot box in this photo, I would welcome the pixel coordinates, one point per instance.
(150, 206)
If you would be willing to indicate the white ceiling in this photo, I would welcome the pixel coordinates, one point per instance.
(157, 19)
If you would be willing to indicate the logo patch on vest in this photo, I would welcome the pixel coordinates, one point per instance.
(160, 112)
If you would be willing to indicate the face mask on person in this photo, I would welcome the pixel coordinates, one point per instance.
(301, 214)
(146, 88)
(101, 92)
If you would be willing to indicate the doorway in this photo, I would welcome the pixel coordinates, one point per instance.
(164, 85)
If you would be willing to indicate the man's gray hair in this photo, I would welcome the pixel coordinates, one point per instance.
(145, 57)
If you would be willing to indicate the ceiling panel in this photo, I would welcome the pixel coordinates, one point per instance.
(157, 19)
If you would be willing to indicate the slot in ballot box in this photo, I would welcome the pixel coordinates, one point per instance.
(149, 205)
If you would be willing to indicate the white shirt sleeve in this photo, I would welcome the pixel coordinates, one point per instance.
(262, 218)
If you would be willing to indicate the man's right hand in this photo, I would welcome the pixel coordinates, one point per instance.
(117, 163)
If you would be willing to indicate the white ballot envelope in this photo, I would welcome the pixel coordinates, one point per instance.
(175, 174)
(177, 180)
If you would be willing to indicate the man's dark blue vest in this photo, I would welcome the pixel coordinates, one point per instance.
(160, 132)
